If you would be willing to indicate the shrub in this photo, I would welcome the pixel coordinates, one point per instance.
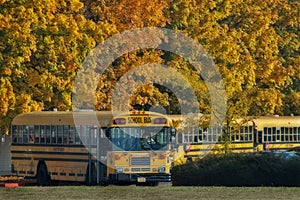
(238, 170)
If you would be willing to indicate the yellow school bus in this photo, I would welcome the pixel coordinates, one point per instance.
(94, 147)
(254, 134)
(143, 148)
(277, 133)
(60, 146)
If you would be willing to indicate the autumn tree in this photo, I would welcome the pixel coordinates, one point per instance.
(43, 44)
(127, 15)
(244, 40)
(255, 45)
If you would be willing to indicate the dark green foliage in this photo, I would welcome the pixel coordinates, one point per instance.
(238, 170)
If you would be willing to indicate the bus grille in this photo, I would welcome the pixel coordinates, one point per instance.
(140, 169)
(138, 161)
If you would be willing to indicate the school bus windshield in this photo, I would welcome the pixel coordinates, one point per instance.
(139, 138)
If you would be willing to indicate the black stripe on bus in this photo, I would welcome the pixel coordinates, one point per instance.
(71, 174)
(62, 159)
(242, 148)
(63, 174)
(52, 153)
(30, 172)
(54, 173)
(53, 145)
(212, 149)
(80, 175)
(22, 172)
(51, 159)
(20, 158)
(218, 143)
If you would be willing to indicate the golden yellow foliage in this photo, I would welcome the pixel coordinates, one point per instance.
(254, 43)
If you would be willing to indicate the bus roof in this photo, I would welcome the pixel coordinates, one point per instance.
(277, 121)
(101, 118)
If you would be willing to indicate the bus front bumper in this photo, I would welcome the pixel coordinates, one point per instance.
(139, 178)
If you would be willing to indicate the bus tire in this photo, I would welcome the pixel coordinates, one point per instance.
(43, 178)
(93, 180)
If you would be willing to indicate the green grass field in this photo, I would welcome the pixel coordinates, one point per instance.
(153, 193)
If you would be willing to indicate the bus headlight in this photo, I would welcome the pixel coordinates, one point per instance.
(161, 169)
(119, 170)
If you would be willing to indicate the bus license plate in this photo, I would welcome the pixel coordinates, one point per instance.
(141, 179)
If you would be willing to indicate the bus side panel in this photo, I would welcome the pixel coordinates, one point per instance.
(67, 165)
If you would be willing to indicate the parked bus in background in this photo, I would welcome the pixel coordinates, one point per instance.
(252, 134)
(50, 146)
(277, 133)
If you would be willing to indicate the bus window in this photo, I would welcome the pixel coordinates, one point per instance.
(210, 133)
(83, 135)
(232, 133)
(241, 134)
(273, 134)
(53, 134)
(286, 133)
(269, 134)
(179, 139)
(216, 134)
(72, 135)
(31, 134)
(42, 136)
(37, 134)
(25, 134)
(20, 135)
(14, 134)
(48, 134)
(204, 132)
(250, 133)
(66, 134)
(282, 134)
(77, 137)
(265, 134)
(93, 130)
(277, 134)
(200, 135)
(60, 132)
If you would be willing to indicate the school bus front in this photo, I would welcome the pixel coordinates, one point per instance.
(139, 167)
(140, 148)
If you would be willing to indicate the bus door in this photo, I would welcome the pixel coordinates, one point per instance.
(102, 146)
(258, 140)
(96, 171)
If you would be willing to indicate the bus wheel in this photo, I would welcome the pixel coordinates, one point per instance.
(43, 178)
(93, 179)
